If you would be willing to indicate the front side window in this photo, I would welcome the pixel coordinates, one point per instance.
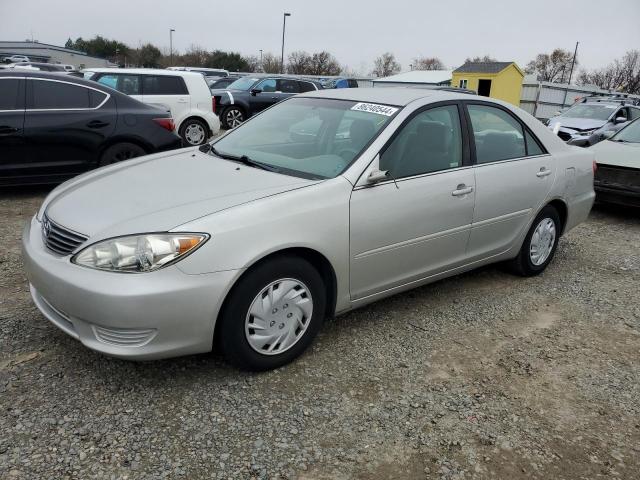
(431, 141)
(306, 87)
(634, 113)
(163, 85)
(52, 95)
(268, 85)
(244, 83)
(9, 88)
(497, 135)
(127, 84)
(308, 137)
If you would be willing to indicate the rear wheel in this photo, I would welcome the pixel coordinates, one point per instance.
(273, 314)
(193, 132)
(539, 245)
(119, 152)
(232, 117)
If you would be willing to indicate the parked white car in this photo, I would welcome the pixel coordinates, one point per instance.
(16, 59)
(185, 94)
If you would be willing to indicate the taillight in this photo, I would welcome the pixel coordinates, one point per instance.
(595, 167)
(213, 104)
(166, 123)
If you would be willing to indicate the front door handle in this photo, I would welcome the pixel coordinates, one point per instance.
(543, 172)
(461, 189)
(6, 130)
(97, 124)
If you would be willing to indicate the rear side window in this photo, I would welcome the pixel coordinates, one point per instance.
(51, 95)
(96, 98)
(127, 84)
(306, 87)
(163, 85)
(498, 136)
(9, 91)
(533, 147)
(288, 86)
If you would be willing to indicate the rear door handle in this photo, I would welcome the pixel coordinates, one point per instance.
(97, 124)
(461, 189)
(543, 172)
(5, 130)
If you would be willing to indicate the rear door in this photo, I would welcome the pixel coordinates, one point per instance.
(65, 126)
(513, 175)
(12, 97)
(168, 92)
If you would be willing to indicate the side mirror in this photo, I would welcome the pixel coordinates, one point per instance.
(377, 176)
(255, 91)
(619, 120)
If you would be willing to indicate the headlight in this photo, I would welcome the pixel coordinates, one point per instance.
(139, 253)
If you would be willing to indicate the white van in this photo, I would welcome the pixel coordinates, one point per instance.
(185, 94)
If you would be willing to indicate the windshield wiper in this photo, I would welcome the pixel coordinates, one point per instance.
(242, 159)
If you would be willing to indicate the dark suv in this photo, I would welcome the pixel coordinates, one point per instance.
(254, 93)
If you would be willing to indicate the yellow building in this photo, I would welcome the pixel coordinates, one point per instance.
(501, 80)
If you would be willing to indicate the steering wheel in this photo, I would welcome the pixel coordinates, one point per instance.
(347, 154)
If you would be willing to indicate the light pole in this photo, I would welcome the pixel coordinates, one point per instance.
(284, 24)
(171, 45)
(261, 68)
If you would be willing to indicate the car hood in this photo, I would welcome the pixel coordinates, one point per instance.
(577, 123)
(160, 192)
(618, 154)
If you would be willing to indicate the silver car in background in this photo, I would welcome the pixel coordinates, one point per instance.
(250, 242)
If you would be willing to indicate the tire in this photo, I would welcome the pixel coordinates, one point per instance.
(291, 319)
(193, 132)
(539, 245)
(120, 152)
(232, 117)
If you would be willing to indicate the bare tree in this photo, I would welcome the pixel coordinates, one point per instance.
(323, 63)
(552, 67)
(253, 63)
(484, 59)
(621, 75)
(270, 63)
(298, 62)
(385, 65)
(428, 63)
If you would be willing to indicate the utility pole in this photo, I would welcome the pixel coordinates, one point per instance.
(573, 62)
(171, 46)
(261, 67)
(284, 24)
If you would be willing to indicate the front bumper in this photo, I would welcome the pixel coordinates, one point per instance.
(146, 316)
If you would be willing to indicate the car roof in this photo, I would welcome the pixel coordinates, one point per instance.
(144, 71)
(389, 96)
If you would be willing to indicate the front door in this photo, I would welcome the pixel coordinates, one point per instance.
(65, 125)
(11, 128)
(417, 223)
(513, 177)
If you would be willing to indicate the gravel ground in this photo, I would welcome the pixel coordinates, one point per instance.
(484, 375)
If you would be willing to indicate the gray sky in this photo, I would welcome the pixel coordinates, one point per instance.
(355, 31)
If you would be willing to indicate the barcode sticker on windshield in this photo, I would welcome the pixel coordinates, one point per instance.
(375, 108)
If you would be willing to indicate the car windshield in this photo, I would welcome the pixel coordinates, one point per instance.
(244, 83)
(308, 137)
(586, 110)
(630, 134)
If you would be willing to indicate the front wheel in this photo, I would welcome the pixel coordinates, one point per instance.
(273, 314)
(232, 117)
(539, 245)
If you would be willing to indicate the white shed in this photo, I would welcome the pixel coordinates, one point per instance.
(416, 79)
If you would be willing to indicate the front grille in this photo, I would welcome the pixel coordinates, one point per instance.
(59, 239)
(612, 176)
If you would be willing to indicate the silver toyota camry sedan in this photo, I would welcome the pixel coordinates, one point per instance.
(321, 204)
